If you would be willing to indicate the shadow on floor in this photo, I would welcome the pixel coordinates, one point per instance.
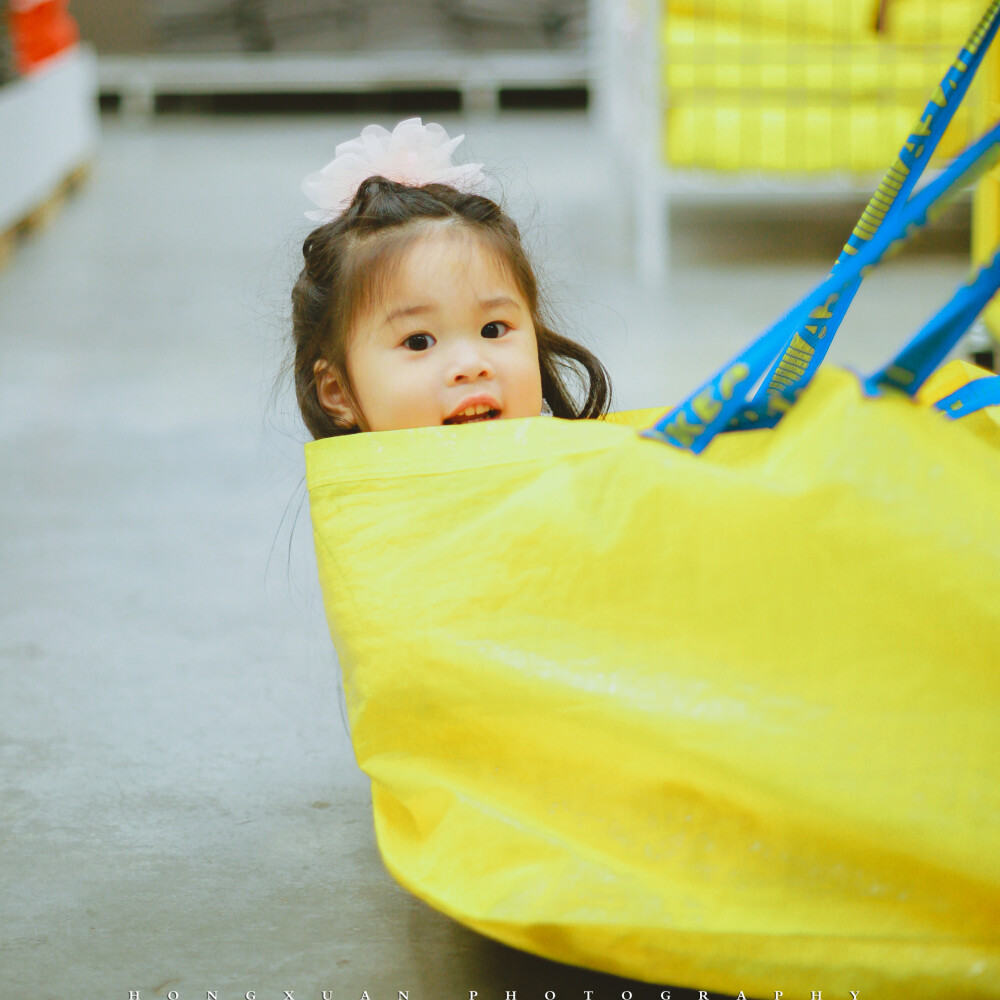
(495, 970)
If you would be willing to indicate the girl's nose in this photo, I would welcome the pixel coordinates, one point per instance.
(470, 364)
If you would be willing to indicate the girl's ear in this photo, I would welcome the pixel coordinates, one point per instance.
(331, 395)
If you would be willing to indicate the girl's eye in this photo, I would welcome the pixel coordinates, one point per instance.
(493, 330)
(418, 341)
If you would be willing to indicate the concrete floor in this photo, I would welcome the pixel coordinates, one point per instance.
(179, 805)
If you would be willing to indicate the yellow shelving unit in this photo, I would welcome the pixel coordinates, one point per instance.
(787, 87)
(777, 100)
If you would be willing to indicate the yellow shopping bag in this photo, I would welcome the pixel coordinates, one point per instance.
(726, 720)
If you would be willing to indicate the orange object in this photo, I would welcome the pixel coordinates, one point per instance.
(40, 31)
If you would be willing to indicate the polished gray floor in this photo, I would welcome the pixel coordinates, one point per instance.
(179, 805)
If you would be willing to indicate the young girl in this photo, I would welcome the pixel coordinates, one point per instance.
(417, 305)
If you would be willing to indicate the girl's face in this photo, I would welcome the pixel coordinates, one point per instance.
(451, 341)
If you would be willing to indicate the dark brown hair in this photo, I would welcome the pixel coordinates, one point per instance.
(348, 259)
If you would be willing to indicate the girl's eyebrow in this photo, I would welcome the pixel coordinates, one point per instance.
(407, 311)
(500, 300)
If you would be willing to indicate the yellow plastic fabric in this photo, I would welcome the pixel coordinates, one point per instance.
(786, 86)
(726, 721)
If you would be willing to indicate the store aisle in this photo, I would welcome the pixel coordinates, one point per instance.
(179, 804)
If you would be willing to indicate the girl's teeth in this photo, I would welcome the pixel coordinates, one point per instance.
(472, 414)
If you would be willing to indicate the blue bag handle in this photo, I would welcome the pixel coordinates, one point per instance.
(692, 424)
(890, 217)
(976, 395)
(913, 365)
(807, 347)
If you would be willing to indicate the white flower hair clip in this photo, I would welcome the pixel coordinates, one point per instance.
(412, 153)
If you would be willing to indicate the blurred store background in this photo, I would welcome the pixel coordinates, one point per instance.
(701, 99)
(181, 808)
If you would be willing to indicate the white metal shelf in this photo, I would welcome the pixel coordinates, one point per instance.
(478, 76)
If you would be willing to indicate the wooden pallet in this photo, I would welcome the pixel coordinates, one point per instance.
(41, 216)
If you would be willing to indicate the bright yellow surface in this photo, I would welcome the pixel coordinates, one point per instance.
(727, 721)
(785, 86)
(913, 22)
(950, 378)
(841, 20)
(860, 138)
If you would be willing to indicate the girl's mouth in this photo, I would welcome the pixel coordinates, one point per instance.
(473, 414)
